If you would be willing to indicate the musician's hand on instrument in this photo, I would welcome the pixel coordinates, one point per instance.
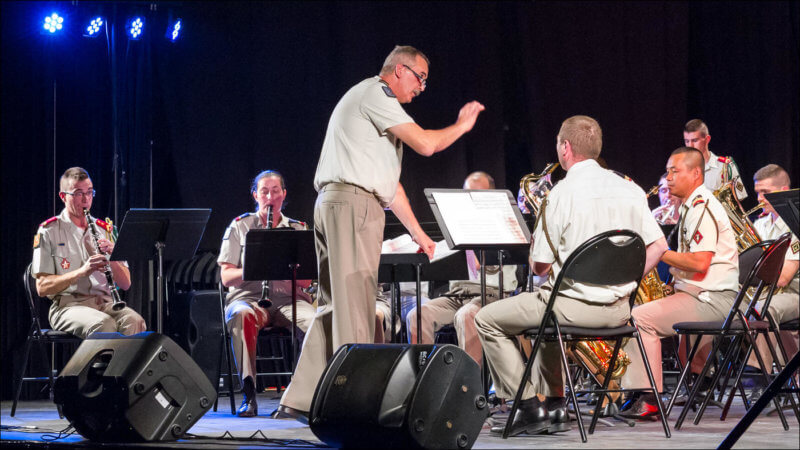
(105, 245)
(95, 263)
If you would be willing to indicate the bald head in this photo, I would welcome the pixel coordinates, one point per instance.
(479, 180)
(691, 157)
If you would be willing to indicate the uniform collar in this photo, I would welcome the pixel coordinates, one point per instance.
(712, 160)
(701, 191)
(586, 164)
(283, 223)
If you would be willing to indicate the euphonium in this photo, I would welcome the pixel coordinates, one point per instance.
(112, 286)
(746, 235)
(536, 186)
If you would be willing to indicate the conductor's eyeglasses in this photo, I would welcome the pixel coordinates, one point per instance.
(80, 194)
(422, 81)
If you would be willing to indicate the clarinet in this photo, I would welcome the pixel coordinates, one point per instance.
(264, 301)
(112, 286)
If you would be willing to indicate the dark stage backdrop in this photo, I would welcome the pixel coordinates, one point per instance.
(250, 86)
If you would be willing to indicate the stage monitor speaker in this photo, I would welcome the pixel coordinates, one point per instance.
(399, 396)
(143, 387)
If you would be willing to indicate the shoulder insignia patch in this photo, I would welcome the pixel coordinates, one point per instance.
(388, 91)
(243, 216)
(697, 201)
(104, 225)
(227, 234)
(38, 237)
(697, 237)
(48, 221)
(724, 159)
(796, 247)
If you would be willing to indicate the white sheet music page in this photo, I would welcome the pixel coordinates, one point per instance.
(404, 244)
(479, 218)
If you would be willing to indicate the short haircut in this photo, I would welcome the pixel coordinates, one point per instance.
(692, 159)
(774, 171)
(402, 54)
(584, 134)
(696, 125)
(266, 174)
(481, 174)
(73, 174)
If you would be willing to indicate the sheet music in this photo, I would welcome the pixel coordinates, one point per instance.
(404, 244)
(479, 217)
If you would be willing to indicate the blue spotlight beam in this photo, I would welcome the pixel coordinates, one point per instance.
(53, 23)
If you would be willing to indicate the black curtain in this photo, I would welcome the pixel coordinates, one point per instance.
(251, 85)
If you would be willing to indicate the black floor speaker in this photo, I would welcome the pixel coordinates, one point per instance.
(136, 388)
(399, 396)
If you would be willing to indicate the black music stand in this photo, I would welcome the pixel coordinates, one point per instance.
(481, 221)
(787, 205)
(172, 233)
(281, 254)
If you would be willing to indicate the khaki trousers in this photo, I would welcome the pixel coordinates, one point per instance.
(83, 316)
(655, 320)
(783, 307)
(498, 325)
(245, 319)
(348, 227)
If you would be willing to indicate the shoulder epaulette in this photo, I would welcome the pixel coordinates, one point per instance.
(48, 221)
(698, 201)
(724, 159)
(104, 225)
(243, 216)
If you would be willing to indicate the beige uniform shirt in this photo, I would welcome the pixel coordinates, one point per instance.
(767, 229)
(61, 247)
(721, 168)
(232, 252)
(705, 227)
(358, 149)
(588, 201)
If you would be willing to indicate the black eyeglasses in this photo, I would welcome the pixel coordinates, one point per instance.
(422, 81)
(79, 194)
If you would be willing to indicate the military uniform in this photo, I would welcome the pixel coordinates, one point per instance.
(460, 307)
(243, 316)
(357, 176)
(709, 296)
(588, 201)
(785, 305)
(84, 307)
(718, 170)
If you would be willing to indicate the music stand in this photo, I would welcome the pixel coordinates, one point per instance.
(480, 220)
(786, 204)
(280, 254)
(173, 233)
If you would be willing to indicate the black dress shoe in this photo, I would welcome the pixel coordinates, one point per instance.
(249, 407)
(287, 412)
(527, 420)
(640, 409)
(559, 420)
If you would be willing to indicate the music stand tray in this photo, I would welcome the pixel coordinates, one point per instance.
(281, 254)
(163, 234)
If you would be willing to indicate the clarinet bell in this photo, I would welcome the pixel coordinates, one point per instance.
(265, 303)
(117, 306)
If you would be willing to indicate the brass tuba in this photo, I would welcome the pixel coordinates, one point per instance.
(746, 235)
(536, 186)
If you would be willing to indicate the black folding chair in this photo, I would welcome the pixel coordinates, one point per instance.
(41, 337)
(601, 260)
(226, 354)
(763, 273)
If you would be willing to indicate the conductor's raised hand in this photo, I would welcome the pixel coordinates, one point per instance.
(469, 114)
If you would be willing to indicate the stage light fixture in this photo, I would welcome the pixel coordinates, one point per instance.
(173, 30)
(53, 23)
(135, 28)
(93, 30)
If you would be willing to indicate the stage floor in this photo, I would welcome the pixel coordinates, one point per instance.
(40, 423)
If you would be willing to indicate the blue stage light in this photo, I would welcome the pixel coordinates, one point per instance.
(93, 30)
(175, 32)
(53, 23)
(135, 28)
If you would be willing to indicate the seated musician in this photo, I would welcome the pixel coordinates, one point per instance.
(717, 170)
(705, 270)
(70, 272)
(243, 314)
(784, 305)
(669, 211)
(588, 201)
(463, 300)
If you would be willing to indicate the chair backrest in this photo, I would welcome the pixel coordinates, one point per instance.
(30, 292)
(749, 258)
(765, 273)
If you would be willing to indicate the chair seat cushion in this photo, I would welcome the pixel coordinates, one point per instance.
(715, 327)
(582, 332)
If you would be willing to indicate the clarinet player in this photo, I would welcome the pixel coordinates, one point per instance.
(73, 274)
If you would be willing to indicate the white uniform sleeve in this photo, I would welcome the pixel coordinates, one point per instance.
(231, 250)
(43, 261)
